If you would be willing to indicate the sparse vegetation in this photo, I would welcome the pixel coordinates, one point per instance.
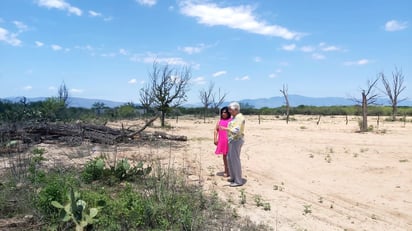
(307, 209)
(126, 196)
(242, 197)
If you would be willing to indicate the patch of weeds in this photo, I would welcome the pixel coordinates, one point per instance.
(311, 155)
(122, 171)
(279, 187)
(355, 155)
(307, 209)
(242, 197)
(258, 200)
(374, 217)
(303, 127)
(266, 206)
(362, 150)
(211, 170)
(328, 158)
(403, 160)
(320, 200)
(383, 131)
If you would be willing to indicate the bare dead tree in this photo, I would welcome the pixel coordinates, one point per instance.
(146, 98)
(368, 98)
(217, 100)
(169, 87)
(394, 89)
(206, 98)
(63, 94)
(285, 94)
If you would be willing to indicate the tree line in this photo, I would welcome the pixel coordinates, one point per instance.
(166, 91)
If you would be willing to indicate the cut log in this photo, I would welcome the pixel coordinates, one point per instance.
(163, 135)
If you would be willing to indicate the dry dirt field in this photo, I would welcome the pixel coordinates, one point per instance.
(312, 177)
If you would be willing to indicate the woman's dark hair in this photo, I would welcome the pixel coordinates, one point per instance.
(225, 109)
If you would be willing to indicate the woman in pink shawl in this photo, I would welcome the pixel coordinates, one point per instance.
(220, 137)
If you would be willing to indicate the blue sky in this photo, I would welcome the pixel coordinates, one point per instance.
(104, 49)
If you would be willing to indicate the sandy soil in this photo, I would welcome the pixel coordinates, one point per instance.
(313, 177)
(346, 180)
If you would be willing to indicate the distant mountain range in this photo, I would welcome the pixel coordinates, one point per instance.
(277, 101)
(296, 100)
(74, 101)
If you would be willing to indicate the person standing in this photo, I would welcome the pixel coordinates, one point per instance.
(220, 137)
(236, 133)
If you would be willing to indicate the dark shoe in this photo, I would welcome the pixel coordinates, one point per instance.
(230, 180)
(233, 184)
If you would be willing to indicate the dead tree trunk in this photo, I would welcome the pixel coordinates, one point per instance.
(285, 94)
(364, 125)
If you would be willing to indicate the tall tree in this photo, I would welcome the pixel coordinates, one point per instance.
(63, 94)
(206, 98)
(394, 89)
(169, 87)
(284, 91)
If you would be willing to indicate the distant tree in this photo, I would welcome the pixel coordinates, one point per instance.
(98, 108)
(127, 111)
(52, 108)
(368, 98)
(284, 91)
(206, 98)
(394, 89)
(146, 98)
(169, 87)
(217, 100)
(63, 94)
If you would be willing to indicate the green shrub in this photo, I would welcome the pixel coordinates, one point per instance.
(93, 170)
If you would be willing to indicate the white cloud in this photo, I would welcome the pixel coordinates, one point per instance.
(394, 25)
(318, 56)
(52, 88)
(240, 17)
(39, 44)
(147, 2)
(307, 49)
(76, 91)
(61, 5)
(246, 77)
(290, 47)
(357, 63)
(272, 76)
(132, 81)
(325, 47)
(199, 81)
(9, 38)
(56, 47)
(107, 19)
(171, 60)
(21, 26)
(27, 88)
(94, 13)
(219, 73)
(109, 55)
(258, 59)
(330, 48)
(123, 51)
(192, 50)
